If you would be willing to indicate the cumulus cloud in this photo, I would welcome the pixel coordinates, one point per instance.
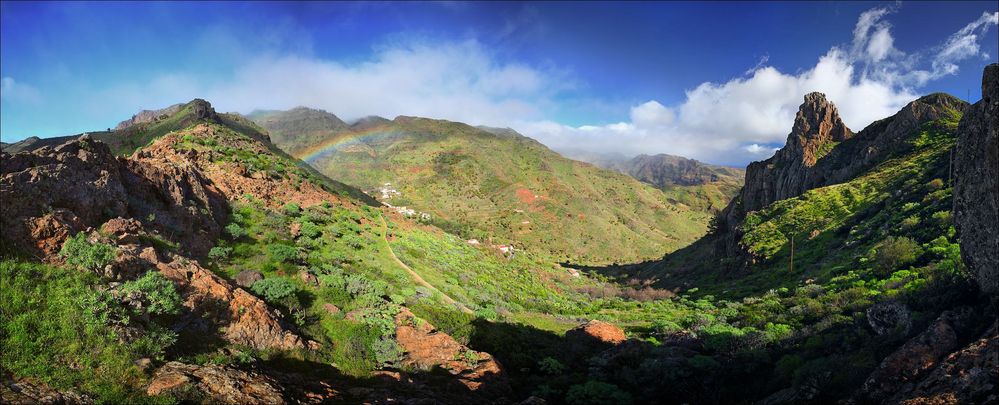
(744, 118)
(730, 122)
(15, 92)
(458, 81)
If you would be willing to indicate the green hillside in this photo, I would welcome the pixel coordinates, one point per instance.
(505, 188)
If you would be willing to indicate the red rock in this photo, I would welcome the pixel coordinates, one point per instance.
(598, 332)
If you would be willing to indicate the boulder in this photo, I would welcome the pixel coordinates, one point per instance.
(222, 384)
(246, 278)
(598, 332)
(889, 317)
(308, 278)
(424, 347)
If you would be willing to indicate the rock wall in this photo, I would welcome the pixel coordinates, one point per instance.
(976, 187)
(817, 127)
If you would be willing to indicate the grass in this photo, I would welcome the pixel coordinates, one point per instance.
(54, 330)
(477, 185)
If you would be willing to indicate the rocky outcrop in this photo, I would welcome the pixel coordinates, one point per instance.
(30, 392)
(53, 192)
(904, 368)
(596, 332)
(967, 376)
(145, 116)
(245, 319)
(221, 384)
(820, 151)
(425, 348)
(976, 186)
(817, 128)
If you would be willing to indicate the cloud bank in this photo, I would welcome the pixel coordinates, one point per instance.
(730, 122)
(747, 118)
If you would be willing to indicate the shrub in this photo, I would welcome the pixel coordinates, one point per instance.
(551, 366)
(219, 253)
(596, 393)
(78, 251)
(283, 253)
(235, 230)
(310, 230)
(895, 252)
(158, 293)
(386, 350)
(292, 209)
(277, 291)
(51, 330)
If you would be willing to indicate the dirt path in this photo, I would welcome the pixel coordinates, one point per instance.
(419, 280)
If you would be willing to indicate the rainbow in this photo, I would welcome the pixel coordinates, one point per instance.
(347, 138)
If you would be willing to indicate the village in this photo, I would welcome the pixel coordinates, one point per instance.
(387, 191)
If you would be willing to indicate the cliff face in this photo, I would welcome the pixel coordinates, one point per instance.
(976, 188)
(821, 151)
(817, 129)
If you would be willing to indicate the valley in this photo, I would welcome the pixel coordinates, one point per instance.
(486, 203)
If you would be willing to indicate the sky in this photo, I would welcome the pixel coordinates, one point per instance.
(715, 81)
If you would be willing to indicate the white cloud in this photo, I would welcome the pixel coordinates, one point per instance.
(732, 122)
(728, 122)
(15, 92)
(457, 81)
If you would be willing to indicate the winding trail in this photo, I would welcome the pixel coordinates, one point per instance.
(419, 280)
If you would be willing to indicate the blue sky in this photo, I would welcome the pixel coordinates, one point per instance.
(716, 81)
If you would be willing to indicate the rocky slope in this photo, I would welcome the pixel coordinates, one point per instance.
(162, 209)
(821, 151)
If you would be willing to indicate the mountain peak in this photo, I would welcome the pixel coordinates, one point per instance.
(201, 109)
(816, 125)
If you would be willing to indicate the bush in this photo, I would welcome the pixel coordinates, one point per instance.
(158, 293)
(310, 230)
(283, 253)
(78, 251)
(219, 253)
(277, 291)
(551, 366)
(596, 393)
(235, 230)
(896, 252)
(292, 209)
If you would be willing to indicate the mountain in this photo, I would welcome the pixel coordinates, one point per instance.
(207, 265)
(851, 239)
(493, 184)
(298, 127)
(685, 181)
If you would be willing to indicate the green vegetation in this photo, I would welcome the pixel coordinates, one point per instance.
(78, 251)
(58, 329)
(503, 187)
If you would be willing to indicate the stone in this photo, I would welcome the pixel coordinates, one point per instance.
(223, 384)
(246, 278)
(425, 348)
(331, 309)
(903, 367)
(308, 278)
(598, 332)
(889, 317)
